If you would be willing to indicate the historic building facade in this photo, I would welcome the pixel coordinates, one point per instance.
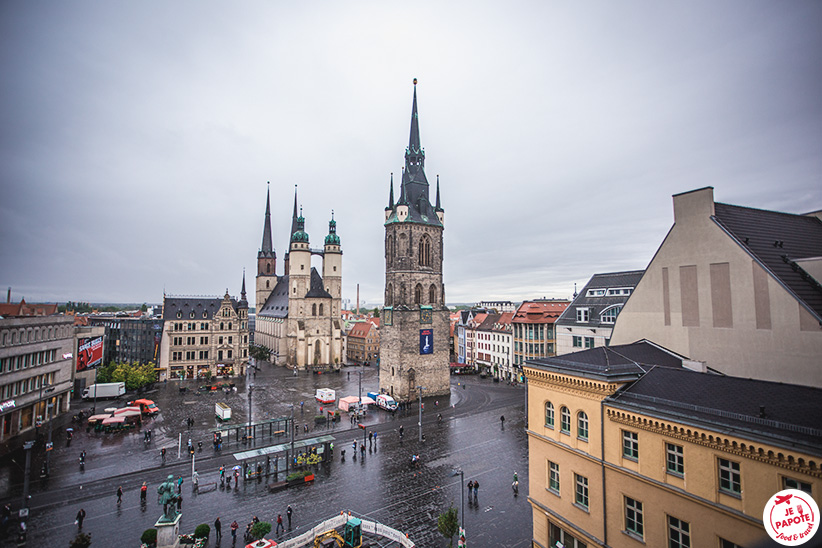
(298, 315)
(634, 445)
(204, 337)
(415, 323)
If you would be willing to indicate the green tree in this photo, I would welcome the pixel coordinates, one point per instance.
(260, 529)
(448, 524)
(82, 540)
(259, 352)
(376, 312)
(135, 375)
(144, 308)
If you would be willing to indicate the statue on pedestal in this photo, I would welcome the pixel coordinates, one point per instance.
(168, 498)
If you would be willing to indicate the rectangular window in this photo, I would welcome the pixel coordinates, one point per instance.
(633, 517)
(219, 354)
(581, 495)
(679, 533)
(582, 314)
(630, 445)
(190, 354)
(729, 477)
(229, 354)
(231, 340)
(790, 483)
(674, 459)
(553, 477)
(203, 340)
(589, 342)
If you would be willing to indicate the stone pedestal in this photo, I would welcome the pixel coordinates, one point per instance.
(168, 532)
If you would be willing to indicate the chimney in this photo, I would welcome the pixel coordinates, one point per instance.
(8, 295)
(358, 299)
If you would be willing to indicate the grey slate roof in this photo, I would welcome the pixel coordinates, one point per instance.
(793, 413)
(620, 362)
(777, 239)
(276, 306)
(317, 289)
(596, 305)
(198, 305)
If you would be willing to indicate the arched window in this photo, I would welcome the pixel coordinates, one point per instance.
(425, 251)
(268, 268)
(321, 309)
(389, 295)
(432, 294)
(565, 420)
(549, 415)
(610, 314)
(402, 293)
(582, 425)
(418, 294)
(389, 248)
(314, 309)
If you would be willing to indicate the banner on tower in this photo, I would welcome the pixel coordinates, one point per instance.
(426, 341)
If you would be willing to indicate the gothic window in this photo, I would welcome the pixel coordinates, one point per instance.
(418, 294)
(313, 309)
(390, 250)
(266, 284)
(425, 251)
(389, 295)
(268, 268)
(321, 309)
(432, 294)
(403, 240)
(402, 293)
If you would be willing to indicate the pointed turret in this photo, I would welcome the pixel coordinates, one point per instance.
(414, 140)
(266, 249)
(391, 194)
(332, 238)
(294, 216)
(438, 207)
(243, 298)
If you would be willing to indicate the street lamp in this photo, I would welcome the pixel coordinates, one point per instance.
(458, 472)
(420, 388)
(47, 389)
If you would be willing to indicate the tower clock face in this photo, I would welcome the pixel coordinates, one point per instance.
(425, 315)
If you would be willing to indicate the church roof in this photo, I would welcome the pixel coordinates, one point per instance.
(193, 308)
(317, 289)
(276, 305)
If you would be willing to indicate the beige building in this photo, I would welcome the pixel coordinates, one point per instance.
(629, 447)
(204, 337)
(36, 371)
(731, 277)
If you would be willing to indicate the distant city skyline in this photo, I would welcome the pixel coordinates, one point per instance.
(139, 138)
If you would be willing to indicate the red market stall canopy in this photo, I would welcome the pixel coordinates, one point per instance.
(114, 420)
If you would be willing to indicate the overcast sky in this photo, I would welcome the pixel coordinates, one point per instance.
(137, 138)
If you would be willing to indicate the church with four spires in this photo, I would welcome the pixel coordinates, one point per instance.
(298, 312)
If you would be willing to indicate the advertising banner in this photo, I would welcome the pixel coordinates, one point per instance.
(426, 341)
(89, 353)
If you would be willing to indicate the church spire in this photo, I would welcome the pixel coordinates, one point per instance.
(266, 250)
(391, 194)
(438, 206)
(294, 227)
(414, 140)
(243, 298)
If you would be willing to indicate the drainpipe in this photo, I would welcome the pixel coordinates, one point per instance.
(602, 465)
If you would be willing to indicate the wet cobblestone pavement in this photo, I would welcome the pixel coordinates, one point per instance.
(381, 486)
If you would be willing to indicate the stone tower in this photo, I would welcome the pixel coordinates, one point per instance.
(414, 345)
(266, 260)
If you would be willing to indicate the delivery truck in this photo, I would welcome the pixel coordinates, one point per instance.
(104, 390)
(223, 411)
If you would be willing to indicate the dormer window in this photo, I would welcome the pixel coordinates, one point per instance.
(582, 315)
(610, 314)
(595, 293)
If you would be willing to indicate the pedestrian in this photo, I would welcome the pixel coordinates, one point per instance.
(476, 488)
(279, 524)
(470, 489)
(163, 454)
(502, 420)
(222, 475)
(180, 484)
(81, 515)
(255, 519)
(375, 438)
(234, 527)
(288, 513)
(143, 493)
(119, 494)
(401, 430)
(362, 449)
(218, 529)
(370, 438)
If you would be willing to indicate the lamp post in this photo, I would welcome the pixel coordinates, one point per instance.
(455, 472)
(420, 388)
(94, 406)
(48, 390)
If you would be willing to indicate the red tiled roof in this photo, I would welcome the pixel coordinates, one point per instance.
(25, 309)
(539, 311)
(360, 330)
(374, 321)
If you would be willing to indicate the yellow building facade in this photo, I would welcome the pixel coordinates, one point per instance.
(629, 447)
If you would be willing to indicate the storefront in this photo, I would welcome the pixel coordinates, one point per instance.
(224, 370)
